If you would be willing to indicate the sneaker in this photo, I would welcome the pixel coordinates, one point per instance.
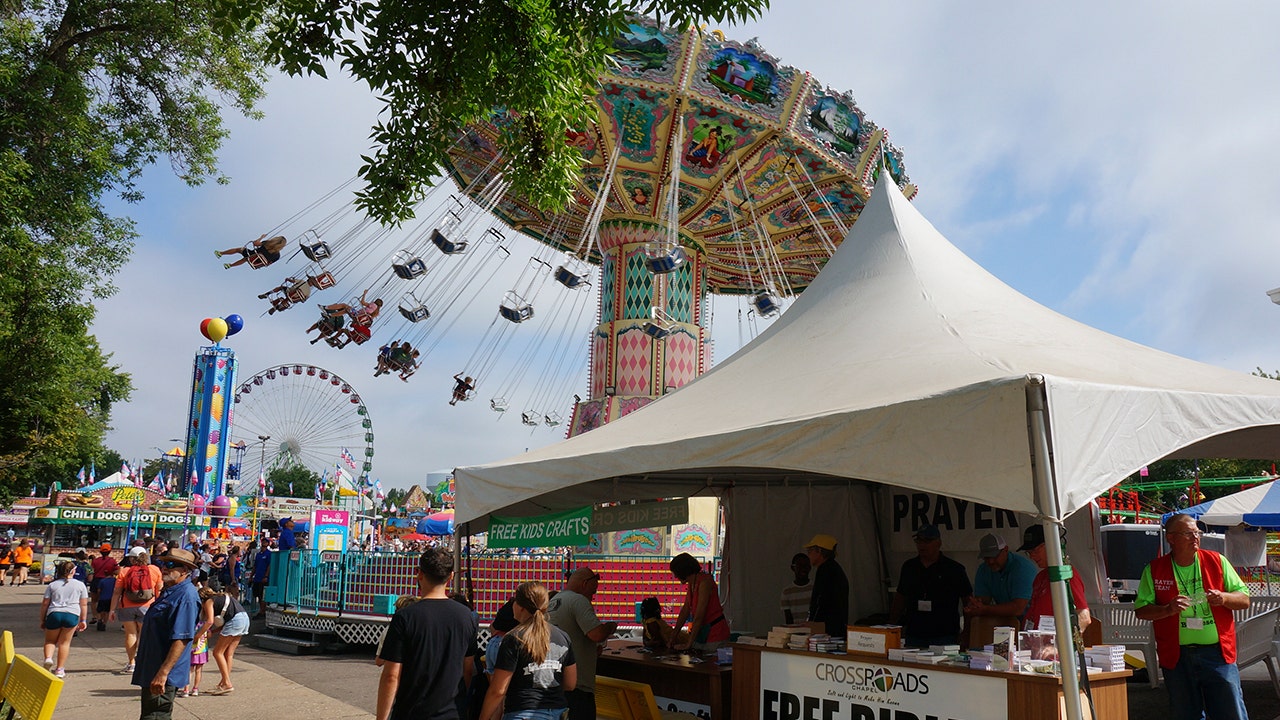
(217, 253)
(226, 266)
(59, 673)
(128, 668)
(195, 692)
(48, 663)
(102, 626)
(182, 692)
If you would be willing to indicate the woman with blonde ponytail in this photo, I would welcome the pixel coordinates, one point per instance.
(535, 664)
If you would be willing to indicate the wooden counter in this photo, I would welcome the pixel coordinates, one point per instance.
(797, 685)
(678, 678)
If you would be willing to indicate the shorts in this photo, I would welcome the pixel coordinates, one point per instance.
(132, 614)
(237, 625)
(59, 620)
(104, 605)
(20, 565)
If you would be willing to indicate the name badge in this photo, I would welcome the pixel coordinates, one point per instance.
(1195, 623)
(1047, 623)
(924, 605)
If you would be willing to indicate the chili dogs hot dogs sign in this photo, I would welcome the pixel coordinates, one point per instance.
(803, 687)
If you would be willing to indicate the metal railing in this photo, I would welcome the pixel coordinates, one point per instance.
(367, 583)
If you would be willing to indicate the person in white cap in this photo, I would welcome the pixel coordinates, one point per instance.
(137, 586)
(1002, 585)
(829, 603)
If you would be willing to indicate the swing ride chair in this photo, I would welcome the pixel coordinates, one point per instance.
(659, 325)
(313, 247)
(413, 309)
(551, 419)
(766, 304)
(662, 258)
(440, 236)
(514, 308)
(572, 273)
(408, 266)
(344, 337)
(531, 418)
(498, 404)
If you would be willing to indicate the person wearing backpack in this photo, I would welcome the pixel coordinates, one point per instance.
(137, 586)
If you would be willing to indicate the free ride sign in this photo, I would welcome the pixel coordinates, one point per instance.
(804, 687)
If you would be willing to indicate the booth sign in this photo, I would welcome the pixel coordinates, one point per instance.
(572, 528)
(88, 516)
(804, 687)
(330, 529)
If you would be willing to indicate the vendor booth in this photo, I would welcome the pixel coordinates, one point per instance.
(904, 364)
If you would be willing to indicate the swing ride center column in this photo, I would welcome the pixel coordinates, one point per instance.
(630, 367)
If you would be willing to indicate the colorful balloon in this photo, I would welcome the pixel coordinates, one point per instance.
(204, 327)
(216, 329)
(235, 324)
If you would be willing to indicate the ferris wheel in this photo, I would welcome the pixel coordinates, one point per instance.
(299, 415)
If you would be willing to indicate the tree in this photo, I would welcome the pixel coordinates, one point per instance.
(303, 481)
(91, 93)
(441, 64)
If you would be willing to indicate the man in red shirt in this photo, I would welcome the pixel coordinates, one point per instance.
(1041, 604)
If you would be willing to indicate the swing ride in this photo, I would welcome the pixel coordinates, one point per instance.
(710, 168)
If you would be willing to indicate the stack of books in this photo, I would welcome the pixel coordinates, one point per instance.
(981, 660)
(944, 649)
(1107, 658)
(822, 642)
(928, 658)
(903, 654)
(780, 635)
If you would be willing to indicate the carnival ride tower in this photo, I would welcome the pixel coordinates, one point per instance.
(213, 379)
(710, 168)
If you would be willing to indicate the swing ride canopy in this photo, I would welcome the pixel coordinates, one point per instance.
(904, 363)
(772, 164)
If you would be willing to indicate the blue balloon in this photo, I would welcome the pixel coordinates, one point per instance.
(235, 324)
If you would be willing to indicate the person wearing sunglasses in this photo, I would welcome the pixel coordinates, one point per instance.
(1189, 595)
(164, 659)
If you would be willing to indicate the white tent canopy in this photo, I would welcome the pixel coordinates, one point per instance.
(908, 364)
(1258, 506)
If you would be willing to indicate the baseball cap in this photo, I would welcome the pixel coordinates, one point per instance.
(136, 551)
(1032, 538)
(505, 620)
(106, 547)
(990, 545)
(826, 542)
(81, 551)
(928, 532)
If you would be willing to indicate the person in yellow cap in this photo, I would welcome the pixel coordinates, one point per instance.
(829, 603)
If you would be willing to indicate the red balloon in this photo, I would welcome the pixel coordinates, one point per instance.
(204, 327)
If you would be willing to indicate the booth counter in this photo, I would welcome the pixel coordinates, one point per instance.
(778, 684)
(706, 683)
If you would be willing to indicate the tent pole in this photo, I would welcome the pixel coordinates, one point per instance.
(1042, 470)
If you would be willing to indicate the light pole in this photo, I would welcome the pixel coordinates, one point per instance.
(262, 475)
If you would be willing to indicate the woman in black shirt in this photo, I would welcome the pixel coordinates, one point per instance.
(535, 664)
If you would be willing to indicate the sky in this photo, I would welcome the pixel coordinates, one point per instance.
(1115, 162)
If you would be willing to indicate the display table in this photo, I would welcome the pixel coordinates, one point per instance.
(678, 678)
(776, 684)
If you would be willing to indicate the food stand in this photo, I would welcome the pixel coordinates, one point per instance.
(89, 517)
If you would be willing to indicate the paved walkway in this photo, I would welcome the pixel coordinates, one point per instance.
(96, 690)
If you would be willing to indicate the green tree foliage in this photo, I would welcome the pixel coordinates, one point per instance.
(438, 65)
(91, 93)
(304, 481)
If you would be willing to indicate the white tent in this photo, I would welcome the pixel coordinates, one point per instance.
(1259, 506)
(904, 363)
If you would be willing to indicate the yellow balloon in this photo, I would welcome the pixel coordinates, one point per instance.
(217, 329)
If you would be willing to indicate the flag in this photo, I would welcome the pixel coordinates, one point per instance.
(271, 487)
(93, 473)
(262, 481)
(1144, 472)
(318, 492)
(33, 491)
(290, 487)
(157, 484)
(377, 489)
(80, 477)
(393, 508)
(125, 472)
(169, 484)
(348, 459)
